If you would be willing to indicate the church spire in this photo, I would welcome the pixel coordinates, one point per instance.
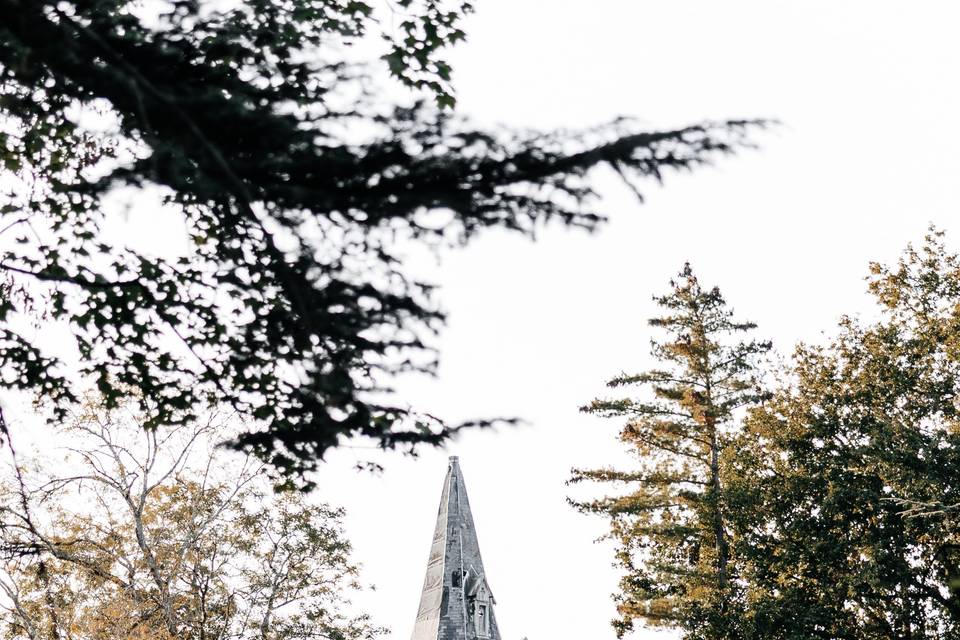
(456, 603)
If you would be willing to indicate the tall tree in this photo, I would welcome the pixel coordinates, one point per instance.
(671, 526)
(843, 484)
(297, 190)
(158, 534)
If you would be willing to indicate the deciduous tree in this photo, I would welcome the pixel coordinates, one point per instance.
(156, 534)
(842, 484)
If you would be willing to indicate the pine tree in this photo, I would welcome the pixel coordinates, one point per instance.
(297, 189)
(674, 543)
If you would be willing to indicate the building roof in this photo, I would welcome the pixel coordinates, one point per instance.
(451, 597)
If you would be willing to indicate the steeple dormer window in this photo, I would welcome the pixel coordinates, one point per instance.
(482, 621)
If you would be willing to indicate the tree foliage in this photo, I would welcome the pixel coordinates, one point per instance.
(671, 526)
(297, 188)
(832, 508)
(845, 482)
(156, 535)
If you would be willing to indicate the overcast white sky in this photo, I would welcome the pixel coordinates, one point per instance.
(868, 156)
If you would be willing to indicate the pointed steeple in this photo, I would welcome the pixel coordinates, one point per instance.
(456, 603)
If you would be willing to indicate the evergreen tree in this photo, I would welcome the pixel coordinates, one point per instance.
(671, 527)
(843, 484)
(296, 189)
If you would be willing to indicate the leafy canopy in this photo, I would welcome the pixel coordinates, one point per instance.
(831, 507)
(159, 534)
(845, 485)
(297, 188)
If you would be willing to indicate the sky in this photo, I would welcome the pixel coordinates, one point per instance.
(865, 159)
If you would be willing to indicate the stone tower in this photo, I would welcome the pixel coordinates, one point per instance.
(456, 603)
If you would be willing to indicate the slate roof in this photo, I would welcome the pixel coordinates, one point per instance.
(454, 571)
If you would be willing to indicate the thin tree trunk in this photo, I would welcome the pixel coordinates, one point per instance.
(719, 532)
